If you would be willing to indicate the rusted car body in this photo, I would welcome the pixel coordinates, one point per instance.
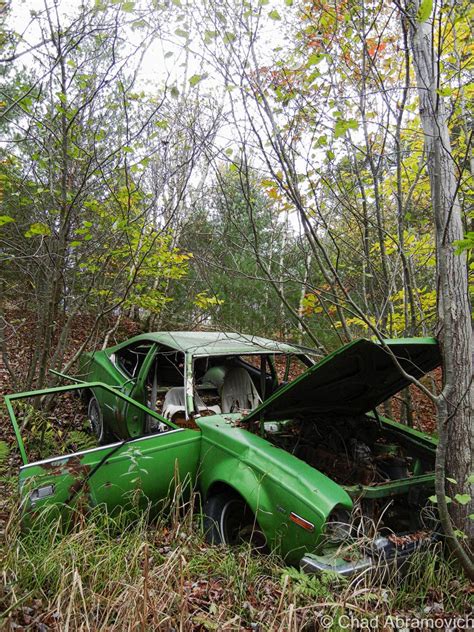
(314, 469)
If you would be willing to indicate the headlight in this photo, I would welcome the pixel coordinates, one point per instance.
(338, 526)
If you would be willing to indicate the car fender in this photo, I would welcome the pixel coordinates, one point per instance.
(282, 491)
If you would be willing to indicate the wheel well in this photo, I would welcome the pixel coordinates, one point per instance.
(86, 395)
(219, 487)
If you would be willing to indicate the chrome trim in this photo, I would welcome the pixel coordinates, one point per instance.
(60, 459)
(311, 565)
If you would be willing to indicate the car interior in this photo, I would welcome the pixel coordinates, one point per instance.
(223, 384)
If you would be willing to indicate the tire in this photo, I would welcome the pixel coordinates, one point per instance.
(229, 520)
(96, 419)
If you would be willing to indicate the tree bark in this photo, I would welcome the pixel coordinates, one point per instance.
(455, 426)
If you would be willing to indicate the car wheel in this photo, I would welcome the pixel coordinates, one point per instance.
(229, 520)
(96, 419)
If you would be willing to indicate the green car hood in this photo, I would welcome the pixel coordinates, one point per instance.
(352, 380)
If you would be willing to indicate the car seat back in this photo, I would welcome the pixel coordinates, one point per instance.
(238, 391)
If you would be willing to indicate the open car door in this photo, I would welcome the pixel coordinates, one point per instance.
(150, 466)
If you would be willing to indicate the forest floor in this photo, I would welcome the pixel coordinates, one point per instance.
(131, 573)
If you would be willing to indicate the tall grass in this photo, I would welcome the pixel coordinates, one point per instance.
(131, 572)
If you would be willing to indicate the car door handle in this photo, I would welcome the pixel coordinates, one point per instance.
(41, 492)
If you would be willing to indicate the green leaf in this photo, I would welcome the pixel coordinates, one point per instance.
(464, 244)
(445, 92)
(342, 126)
(127, 6)
(470, 479)
(460, 534)
(339, 129)
(274, 15)
(434, 500)
(74, 244)
(315, 58)
(462, 499)
(229, 37)
(174, 92)
(424, 11)
(471, 516)
(38, 228)
(5, 219)
(139, 24)
(195, 79)
(451, 480)
(209, 36)
(289, 3)
(182, 33)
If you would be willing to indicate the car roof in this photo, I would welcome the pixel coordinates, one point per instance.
(215, 342)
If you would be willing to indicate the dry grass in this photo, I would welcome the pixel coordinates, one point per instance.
(128, 572)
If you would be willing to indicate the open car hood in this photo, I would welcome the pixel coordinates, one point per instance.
(352, 380)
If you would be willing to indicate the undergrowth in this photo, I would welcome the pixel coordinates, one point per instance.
(123, 572)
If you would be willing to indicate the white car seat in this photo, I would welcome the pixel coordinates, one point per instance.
(175, 401)
(238, 391)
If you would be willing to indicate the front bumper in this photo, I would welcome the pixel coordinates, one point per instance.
(383, 554)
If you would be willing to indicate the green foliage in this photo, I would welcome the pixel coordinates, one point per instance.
(343, 126)
(203, 301)
(228, 287)
(424, 10)
(274, 15)
(462, 499)
(38, 228)
(6, 219)
(4, 454)
(466, 244)
(78, 440)
(321, 587)
(195, 79)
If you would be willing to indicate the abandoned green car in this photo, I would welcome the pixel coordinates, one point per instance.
(309, 467)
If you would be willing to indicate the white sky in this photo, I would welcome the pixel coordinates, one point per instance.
(167, 61)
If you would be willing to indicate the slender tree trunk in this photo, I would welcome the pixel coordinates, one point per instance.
(302, 296)
(455, 426)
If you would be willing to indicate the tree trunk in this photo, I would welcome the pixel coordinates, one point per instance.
(455, 331)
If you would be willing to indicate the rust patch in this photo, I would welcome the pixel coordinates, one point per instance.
(79, 472)
(71, 465)
(75, 467)
(402, 540)
(53, 468)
